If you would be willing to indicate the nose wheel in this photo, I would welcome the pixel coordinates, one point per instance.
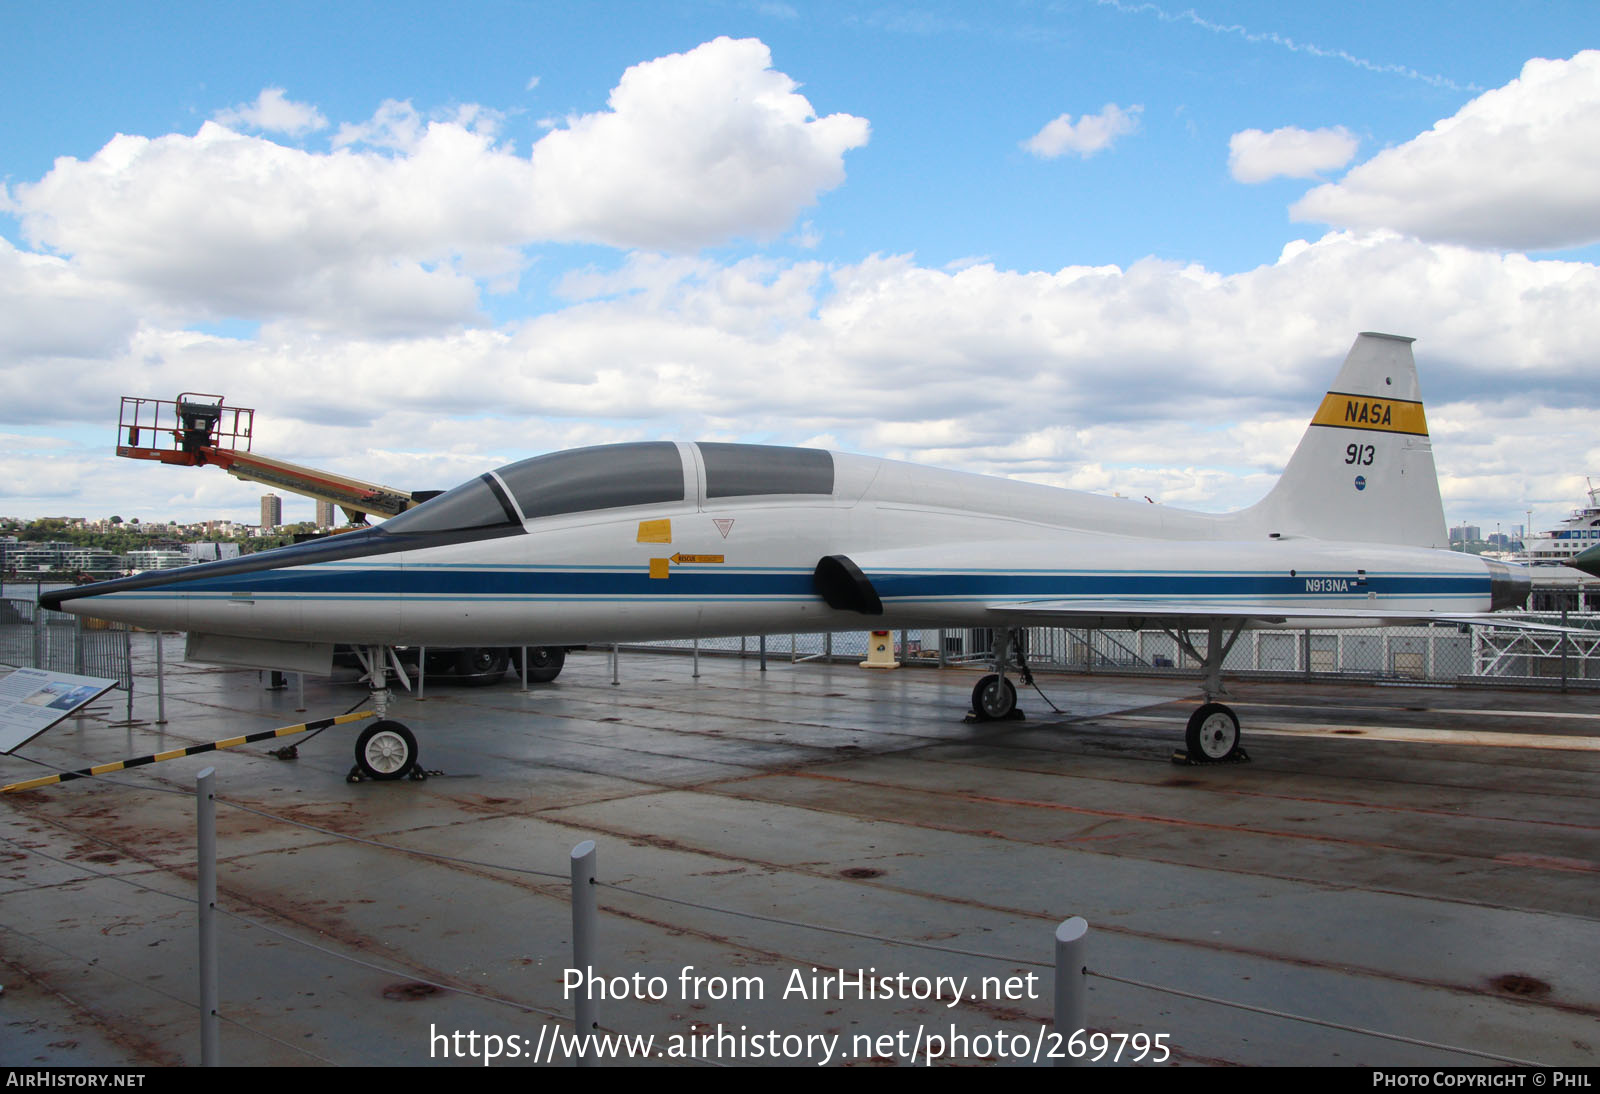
(385, 751)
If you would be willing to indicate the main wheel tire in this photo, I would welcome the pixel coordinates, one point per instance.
(990, 702)
(386, 750)
(545, 663)
(1213, 733)
(481, 666)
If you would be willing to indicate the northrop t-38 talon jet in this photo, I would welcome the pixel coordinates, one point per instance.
(663, 540)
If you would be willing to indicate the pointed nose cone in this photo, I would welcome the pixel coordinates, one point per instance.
(151, 587)
(1588, 562)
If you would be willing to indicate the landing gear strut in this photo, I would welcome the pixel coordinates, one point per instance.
(1212, 735)
(386, 749)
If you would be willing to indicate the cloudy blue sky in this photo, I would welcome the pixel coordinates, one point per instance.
(1110, 245)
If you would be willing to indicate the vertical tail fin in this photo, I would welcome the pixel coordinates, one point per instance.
(1364, 469)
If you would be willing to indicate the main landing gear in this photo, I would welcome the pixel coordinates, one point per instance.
(994, 699)
(1212, 735)
(386, 749)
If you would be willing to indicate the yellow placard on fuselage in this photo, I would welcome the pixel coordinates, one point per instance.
(655, 531)
(1365, 412)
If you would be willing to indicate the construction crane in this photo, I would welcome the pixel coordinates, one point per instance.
(196, 429)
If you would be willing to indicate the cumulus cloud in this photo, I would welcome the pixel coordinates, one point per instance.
(1290, 152)
(366, 262)
(696, 147)
(274, 112)
(224, 224)
(1091, 133)
(47, 307)
(395, 125)
(1517, 167)
(1159, 378)
(393, 231)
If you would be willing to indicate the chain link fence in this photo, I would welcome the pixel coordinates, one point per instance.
(1435, 653)
(34, 637)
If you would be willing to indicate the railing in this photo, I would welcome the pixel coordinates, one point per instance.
(1435, 653)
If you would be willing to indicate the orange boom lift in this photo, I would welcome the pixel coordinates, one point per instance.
(196, 429)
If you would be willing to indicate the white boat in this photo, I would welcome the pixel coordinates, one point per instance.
(1576, 534)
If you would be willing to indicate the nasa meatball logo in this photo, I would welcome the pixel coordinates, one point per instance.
(1361, 482)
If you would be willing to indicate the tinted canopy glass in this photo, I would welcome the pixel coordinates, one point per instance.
(605, 477)
(739, 470)
(608, 477)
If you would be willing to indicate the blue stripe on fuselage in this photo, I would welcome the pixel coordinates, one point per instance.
(340, 582)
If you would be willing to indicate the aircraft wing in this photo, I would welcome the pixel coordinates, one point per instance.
(1133, 613)
(1172, 613)
(1113, 581)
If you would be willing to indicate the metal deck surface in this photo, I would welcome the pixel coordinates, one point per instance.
(1374, 866)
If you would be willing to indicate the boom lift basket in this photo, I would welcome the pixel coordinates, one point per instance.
(180, 431)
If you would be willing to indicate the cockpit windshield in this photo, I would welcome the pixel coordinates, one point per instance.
(583, 479)
(476, 504)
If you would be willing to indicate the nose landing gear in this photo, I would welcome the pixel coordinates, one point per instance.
(386, 750)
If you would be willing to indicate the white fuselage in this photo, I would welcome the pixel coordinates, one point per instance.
(940, 548)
